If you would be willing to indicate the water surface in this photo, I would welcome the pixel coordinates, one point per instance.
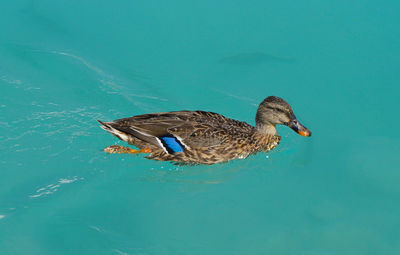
(64, 65)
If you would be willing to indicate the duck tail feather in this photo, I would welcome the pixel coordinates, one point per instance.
(107, 126)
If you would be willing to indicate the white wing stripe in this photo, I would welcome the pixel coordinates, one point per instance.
(161, 145)
(180, 140)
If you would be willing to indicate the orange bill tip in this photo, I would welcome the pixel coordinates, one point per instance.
(304, 132)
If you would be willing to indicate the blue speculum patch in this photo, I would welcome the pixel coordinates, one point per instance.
(172, 144)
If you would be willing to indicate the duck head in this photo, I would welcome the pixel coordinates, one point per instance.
(273, 111)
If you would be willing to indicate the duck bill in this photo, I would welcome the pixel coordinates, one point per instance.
(299, 128)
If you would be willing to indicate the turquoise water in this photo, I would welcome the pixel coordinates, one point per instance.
(65, 64)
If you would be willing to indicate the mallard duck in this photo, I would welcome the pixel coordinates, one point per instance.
(199, 137)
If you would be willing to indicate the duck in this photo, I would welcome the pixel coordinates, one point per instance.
(202, 137)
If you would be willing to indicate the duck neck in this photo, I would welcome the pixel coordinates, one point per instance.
(266, 128)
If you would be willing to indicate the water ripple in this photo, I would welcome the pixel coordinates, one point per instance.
(108, 80)
(52, 188)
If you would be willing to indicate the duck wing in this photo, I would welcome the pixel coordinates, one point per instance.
(176, 131)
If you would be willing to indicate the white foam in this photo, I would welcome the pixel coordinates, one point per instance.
(96, 228)
(120, 252)
(51, 188)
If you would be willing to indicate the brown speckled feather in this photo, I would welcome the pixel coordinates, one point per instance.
(208, 137)
(198, 137)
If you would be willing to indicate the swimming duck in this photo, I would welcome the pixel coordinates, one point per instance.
(199, 137)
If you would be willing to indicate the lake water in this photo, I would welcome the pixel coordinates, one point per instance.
(65, 64)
